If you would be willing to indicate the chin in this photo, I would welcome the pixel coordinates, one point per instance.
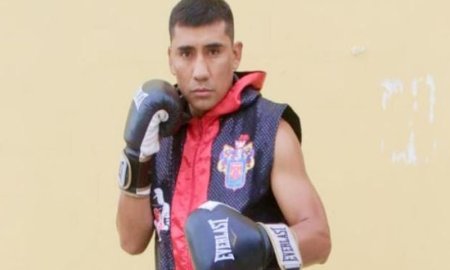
(199, 110)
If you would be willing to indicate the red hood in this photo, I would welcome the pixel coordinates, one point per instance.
(232, 100)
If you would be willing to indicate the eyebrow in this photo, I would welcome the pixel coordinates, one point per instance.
(215, 45)
(185, 48)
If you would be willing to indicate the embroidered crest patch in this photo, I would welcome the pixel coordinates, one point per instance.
(236, 161)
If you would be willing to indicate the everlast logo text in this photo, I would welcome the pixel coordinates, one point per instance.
(286, 246)
(223, 247)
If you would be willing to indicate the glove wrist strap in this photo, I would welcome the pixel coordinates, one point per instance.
(284, 246)
(134, 177)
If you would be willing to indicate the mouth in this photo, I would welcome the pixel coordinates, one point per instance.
(201, 92)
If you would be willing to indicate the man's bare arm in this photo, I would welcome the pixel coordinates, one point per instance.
(134, 223)
(298, 199)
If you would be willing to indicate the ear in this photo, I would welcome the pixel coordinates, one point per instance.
(237, 52)
(169, 55)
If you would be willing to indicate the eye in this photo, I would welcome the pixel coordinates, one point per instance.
(214, 51)
(185, 54)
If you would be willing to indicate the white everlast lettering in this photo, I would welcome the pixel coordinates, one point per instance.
(223, 246)
(286, 246)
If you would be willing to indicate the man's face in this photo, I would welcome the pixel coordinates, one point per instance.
(203, 60)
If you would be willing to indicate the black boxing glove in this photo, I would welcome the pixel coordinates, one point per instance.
(220, 237)
(155, 112)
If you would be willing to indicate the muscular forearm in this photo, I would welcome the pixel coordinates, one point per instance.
(134, 223)
(314, 242)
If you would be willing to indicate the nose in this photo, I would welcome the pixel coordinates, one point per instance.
(201, 72)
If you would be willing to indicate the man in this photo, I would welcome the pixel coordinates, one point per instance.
(204, 181)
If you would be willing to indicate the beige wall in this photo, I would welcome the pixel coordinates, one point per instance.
(370, 80)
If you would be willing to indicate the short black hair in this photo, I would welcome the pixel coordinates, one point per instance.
(202, 12)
